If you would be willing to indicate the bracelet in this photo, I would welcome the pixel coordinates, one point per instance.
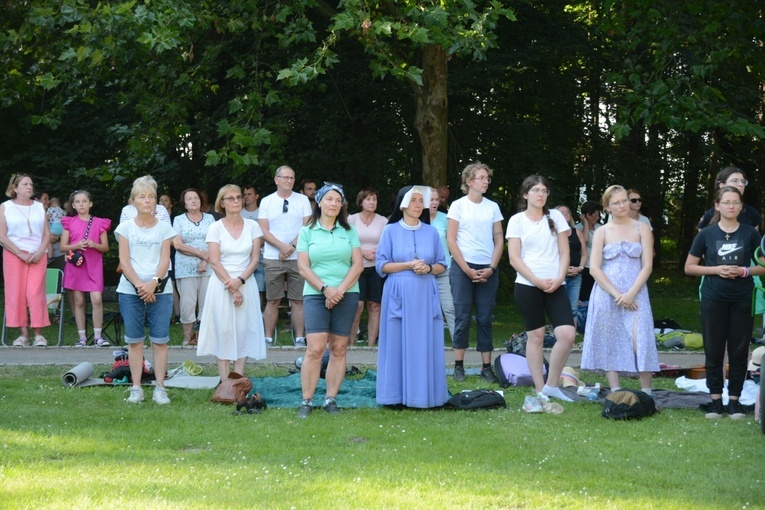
(745, 271)
(241, 280)
(430, 266)
(323, 288)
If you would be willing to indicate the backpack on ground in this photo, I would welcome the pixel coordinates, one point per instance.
(627, 404)
(513, 370)
(476, 399)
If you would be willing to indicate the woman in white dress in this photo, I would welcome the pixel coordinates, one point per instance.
(231, 328)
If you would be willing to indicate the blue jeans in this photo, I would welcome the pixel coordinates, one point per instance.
(465, 294)
(135, 314)
(573, 285)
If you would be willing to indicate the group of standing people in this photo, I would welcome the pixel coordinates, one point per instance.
(415, 272)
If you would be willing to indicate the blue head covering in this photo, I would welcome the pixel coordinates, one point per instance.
(329, 186)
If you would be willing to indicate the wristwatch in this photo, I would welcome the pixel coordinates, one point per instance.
(157, 279)
(241, 280)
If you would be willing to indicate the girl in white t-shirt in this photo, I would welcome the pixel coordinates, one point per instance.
(538, 250)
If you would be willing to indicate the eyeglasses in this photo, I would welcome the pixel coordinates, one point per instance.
(636, 200)
(734, 203)
(233, 198)
(286, 206)
(743, 182)
(483, 179)
(540, 191)
(285, 178)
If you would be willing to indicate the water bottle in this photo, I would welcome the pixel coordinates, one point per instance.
(592, 396)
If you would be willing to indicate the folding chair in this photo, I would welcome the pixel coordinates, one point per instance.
(54, 297)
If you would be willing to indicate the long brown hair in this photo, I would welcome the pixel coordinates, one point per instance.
(523, 204)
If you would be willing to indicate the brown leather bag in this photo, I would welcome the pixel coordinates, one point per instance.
(232, 390)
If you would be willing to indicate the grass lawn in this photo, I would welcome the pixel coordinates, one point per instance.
(87, 448)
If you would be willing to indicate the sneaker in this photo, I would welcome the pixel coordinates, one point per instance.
(331, 407)
(487, 374)
(532, 404)
(300, 341)
(82, 342)
(100, 342)
(735, 410)
(269, 340)
(459, 374)
(136, 395)
(304, 411)
(21, 341)
(40, 341)
(714, 409)
(160, 396)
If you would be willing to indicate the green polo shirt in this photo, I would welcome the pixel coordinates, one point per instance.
(330, 254)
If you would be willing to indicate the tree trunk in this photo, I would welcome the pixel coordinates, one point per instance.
(690, 217)
(431, 116)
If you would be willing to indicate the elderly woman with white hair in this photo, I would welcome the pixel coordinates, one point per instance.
(145, 292)
(410, 358)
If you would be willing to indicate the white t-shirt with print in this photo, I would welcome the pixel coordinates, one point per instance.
(145, 251)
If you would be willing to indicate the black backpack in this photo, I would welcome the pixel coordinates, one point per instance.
(627, 404)
(476, 399)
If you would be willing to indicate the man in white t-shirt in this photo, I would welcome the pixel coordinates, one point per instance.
(281, 216)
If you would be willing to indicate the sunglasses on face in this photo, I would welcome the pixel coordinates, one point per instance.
(636, 200)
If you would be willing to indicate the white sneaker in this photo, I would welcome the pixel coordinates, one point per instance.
(160, 396)
(269, 340)
(40, 341)
(21, 341)
(300, 341)
(136, 395)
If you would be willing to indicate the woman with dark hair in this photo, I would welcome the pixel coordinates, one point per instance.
(24, 235)
(191, 268)
(369, 227)
(538, 249)
(474, 237)
(727, 247)
(619, 338)
(735, 177)
(411, 370)
(578, 257)
(589, 223)
(231, 328)
(329, 259)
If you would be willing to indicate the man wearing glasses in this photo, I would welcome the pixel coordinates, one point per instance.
(281, 215)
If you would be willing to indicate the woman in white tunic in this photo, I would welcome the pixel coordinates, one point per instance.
(231, 328)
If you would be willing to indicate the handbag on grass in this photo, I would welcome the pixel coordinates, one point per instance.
(75, 257)
(232, 390)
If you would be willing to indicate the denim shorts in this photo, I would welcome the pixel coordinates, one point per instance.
(337, 321)
(136, 313)
(260, 277)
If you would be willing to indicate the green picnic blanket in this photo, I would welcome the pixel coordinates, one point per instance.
(286, 392)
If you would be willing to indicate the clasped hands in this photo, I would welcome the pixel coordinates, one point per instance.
(419, 266)
(233, 285)
(729, 272)
(332, 296)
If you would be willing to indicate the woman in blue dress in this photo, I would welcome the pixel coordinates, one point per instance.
(410, 359)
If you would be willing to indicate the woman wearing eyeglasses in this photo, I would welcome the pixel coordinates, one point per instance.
(636, 203)
(474, 238)
(727, 247)
(733, 176)
(24, 236)
(618, 337)
(538, 249)
(231, 327)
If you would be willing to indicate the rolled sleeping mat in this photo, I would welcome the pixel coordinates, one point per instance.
(77, 375)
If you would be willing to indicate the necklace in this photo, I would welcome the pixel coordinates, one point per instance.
(29, 212)
(727, 234)
(196, 223)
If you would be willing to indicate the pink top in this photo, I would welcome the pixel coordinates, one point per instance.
(369, 235)
(89, 277)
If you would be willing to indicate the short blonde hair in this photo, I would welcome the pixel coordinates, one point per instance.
(15, 180)
(145, 184)
(219, 200)
(469, 174)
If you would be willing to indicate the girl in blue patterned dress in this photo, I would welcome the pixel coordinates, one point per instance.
(618, 337)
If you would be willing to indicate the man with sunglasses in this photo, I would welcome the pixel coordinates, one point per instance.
(636, 202)
(281, 216)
